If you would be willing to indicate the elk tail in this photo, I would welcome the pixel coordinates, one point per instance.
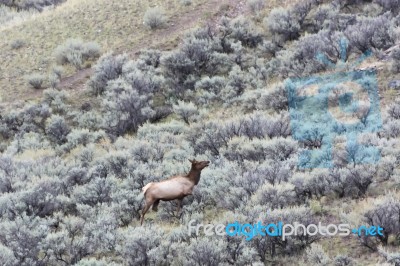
(146, 187)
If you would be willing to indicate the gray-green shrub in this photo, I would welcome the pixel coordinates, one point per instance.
(370, 33)
(154, 18)
(57, 129)
(76, 52)
(108, 67)
(283, 23)
(36, 80)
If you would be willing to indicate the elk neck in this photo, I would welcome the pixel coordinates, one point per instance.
(194, 175)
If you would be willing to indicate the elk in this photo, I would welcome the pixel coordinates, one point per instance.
(174, 188)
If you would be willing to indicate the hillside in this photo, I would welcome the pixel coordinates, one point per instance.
(116, 27)
(296, 108)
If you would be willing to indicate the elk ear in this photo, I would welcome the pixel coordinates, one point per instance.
(192, 161)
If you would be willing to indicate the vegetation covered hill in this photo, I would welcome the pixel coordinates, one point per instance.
(83, 129)
(28, 43)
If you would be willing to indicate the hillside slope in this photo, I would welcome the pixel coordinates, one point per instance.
(293, 106)
(115, 26)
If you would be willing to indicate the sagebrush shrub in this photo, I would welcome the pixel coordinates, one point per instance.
(203, 252)
(343, 260)
(317, 256)
(54, 80)
(76, 52)
(138, 243)
(389, 5)
(9, 14)
(58, 71)
(56, 100)
(91, 120)
(391, 129)
(94, 262)
(385, 212)
(283, 23)
(83, 137)
(154, 18)
(17, 44)
(292, 244)
(30, 4)
(36, 80)
(97, 191)
(310, 185)
(394, 110)
(275, 196)
(370, 33)
(108, 67)
(304, 57)
(243, 30)
(256, 6)
(186, 2)
(200, 54)
(275, 99)
(29, 141)
(57, 129)
(127, 106)
(395, 55)
(7, 256)
(213, 84)
(186, 111)
(391, 257)
(27, 238)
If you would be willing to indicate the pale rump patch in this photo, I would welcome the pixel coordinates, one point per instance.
(146, 187)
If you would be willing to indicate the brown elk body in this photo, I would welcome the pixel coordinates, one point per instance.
(173, 188)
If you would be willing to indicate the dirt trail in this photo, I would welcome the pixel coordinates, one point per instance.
(176, 28)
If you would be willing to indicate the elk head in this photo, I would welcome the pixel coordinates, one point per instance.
(199, 165)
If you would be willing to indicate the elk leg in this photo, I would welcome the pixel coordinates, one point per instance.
(155, 205)
(145, 209)
(179, 206)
